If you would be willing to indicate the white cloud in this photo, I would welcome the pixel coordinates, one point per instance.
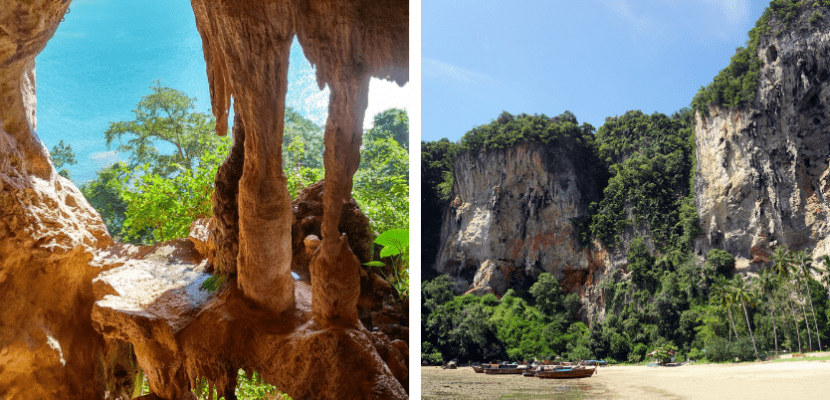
(384, 95)
(432, 68)
(733, 10)
(104, 158)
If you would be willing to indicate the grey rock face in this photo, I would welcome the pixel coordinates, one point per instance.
(510, 221)
(762, 171)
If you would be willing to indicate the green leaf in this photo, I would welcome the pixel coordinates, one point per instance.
(374, 264)
(394, 241)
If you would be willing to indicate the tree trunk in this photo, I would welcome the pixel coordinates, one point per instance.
(812, 310)
(774, 331)
(804, 312)
(795, 322)
(746, 315)
(733, 322)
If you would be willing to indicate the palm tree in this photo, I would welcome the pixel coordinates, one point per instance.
(805, 261)
(742, 294)
(825, 279)
(796, 258)
(781, 266)
(724, 297)
(766, 284)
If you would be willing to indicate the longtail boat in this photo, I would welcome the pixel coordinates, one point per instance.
(500, 371)
(567, 373)
(478, 369)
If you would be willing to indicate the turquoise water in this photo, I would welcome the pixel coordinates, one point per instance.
(105, 56)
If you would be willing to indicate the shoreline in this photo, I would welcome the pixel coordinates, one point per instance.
(758, 380)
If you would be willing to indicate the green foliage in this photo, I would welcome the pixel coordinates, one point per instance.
(299, 173)
(437, 180)
(461, 328)
(651, 159)
(63, 155)
(168, 206)
(302, 142)
(212, 283)
(641, 264)
(550, 300)
(737, 84)
(165, 116)
(665, 353)
(106, 194)
(430, 354)
(721, 261)
(720, 349)
(393, 124)
(558, 133)
(395, 244)
(381, 183)
(436, 292)
(248, 387)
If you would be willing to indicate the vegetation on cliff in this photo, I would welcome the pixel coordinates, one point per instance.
(651, 160)
(737, 84)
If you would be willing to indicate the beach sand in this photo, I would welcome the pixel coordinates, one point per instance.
(779, 380)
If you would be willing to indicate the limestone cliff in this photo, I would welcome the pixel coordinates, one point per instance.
(762, 170)
(510, 220)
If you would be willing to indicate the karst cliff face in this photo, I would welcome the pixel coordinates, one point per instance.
(762, 170)
(510, 221)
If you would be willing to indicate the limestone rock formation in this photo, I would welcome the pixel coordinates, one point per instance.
(57, 342)
(52, 242)
(762, 170)
(510, 221)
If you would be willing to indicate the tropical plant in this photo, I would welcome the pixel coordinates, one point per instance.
(168, 206)
(742, 295)
(766, 285)
(395, 244)
(166, 115)
(723, 297)
(804, 260)
(782, 266)
(62, 155)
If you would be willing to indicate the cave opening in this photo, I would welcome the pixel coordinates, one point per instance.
(313, 315)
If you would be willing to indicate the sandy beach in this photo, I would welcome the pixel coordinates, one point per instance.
(779, 380)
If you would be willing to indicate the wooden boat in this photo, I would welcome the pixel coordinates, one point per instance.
(478, 368)
(500, 371)
(567, 373)
(530, 372)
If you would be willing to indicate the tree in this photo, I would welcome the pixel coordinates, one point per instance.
(165, 115)
(723, 296)
(302, 143)
(743, 295)
(804, 260)
(766, 284)
(721, 261)
(782, 264)
(392, 123)
(106, 194)
(168, 206)
(62, 155)
(381, 184)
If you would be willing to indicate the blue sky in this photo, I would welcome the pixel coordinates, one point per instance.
(105, 56)
(596, 58)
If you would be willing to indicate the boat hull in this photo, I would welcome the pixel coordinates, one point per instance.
(503, 371)
(566, 374)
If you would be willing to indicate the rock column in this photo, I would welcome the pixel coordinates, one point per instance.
(335, 279)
